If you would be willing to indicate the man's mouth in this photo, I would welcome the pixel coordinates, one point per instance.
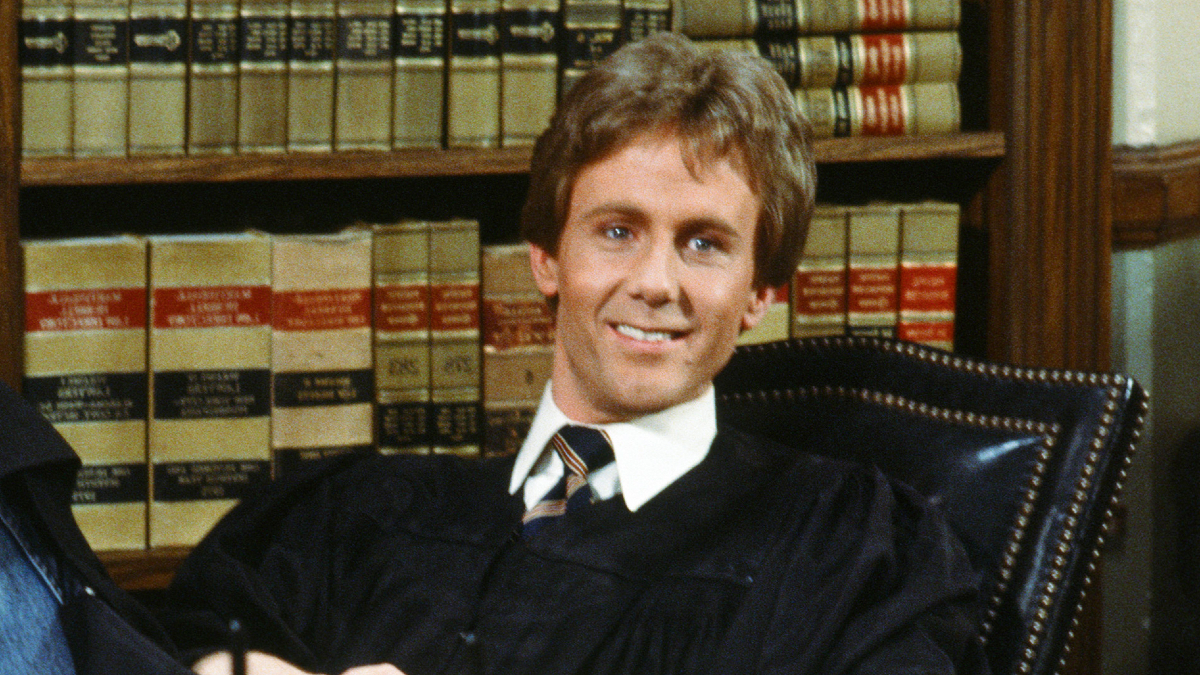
(646, 335)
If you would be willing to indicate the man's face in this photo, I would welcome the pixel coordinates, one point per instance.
(654, 276)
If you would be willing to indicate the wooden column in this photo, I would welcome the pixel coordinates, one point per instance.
(11, 301)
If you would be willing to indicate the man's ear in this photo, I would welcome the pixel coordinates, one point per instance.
(545, 270)
(760, 302)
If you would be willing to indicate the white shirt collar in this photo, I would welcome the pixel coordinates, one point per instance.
(651, 452)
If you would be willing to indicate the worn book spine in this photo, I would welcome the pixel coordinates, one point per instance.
(310, 86)
(363, 107)
(321, 369)
(262, 75)
(776, 324)
(455, 371)
(528, 70)
(101, 77)
(925, 108)
(157, 76)
(401, 333)
(928, 273)
(213, 77)
(85, 372)
(819, 285)
(46, 56)
(473, 82)
(642, 18)
(873, 262)
(210, 388)
(419, 104)
(734, 18)
(725, 18)
(518, 346)
(591, 30)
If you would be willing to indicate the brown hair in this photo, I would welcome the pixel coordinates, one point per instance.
(722, 104)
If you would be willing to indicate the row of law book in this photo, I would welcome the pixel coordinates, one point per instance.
(171, 77)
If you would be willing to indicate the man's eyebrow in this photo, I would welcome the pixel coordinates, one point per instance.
(622, 208)
(712, 224)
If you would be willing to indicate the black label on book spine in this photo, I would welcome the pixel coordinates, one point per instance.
(211, 394)
(214, 41)
(777, 16)
(845, 61)
(529, 31)
(419, 35)
(343, 387)
(403, 425)
(585, 47)
(111, 484)
(101, 43)
(158, 40)
(91, 397)
(641, 23)
(784, 54)
(364, 38)
(45, 42)
(456, 423)
(264, 39)
(841, 112)
(313, 39)
(475, 34)
(290, 459)
(193, 481)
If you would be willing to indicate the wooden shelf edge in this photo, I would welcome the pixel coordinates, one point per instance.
(1156, 194)
(143, 570)
(59, 171)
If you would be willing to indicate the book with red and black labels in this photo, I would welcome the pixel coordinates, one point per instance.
(928, 273)
(46, 56)
(873, 270)
(819, 285)
(732, 18)
(455, 371)
(919, 109)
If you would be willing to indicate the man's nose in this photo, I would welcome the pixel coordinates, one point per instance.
(654, 278)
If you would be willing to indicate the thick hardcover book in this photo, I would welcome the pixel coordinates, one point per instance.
(85, 371)
(363, 108)
(312, 41)
(473, 84)
(528, 69)
(776, 325)
(819, 285)
(873, 274)
(645, 17)
(213, 77)
(262, 75)
(321, 372)
(158, 52)
(928, 273)
(455, 372)
(419, 113)
(45, 54)
(101, 72)
(210, 386)
(401, 323)
(518, 346)
(924, 108)
(592, 30)
(726, 18)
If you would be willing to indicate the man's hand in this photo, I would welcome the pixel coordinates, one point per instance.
(260, 663)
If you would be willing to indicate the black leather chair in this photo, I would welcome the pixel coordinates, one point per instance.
(1028, 463)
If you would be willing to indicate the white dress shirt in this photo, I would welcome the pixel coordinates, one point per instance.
(651, 452)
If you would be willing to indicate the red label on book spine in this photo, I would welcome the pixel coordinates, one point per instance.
(928, 288)
(331, 309)
(885, 60)
(517, 323)
(402, 307)
(872, 289)
(819, 293)
(926, 332)
(880, 15)
(212, 307)
(454, 307)
(85, 309)
(884, 110)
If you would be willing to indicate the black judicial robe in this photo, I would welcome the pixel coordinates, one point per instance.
(758, 560)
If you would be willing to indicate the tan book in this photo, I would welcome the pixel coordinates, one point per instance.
(310, 75)
(928, 273)
(528, 70)
(455, 382)
(776, 324)
(263, 75)
(732, 18)
(645, 17)
(819, 285)
(473, 82)
(45, 54)
(418, 116)
(101, 77)
(591, 31)
(213, 77)
(518, 346)
(85, 372)
(322, 386)
(873, 270)
(363, 105)
(210, 364)
(157, 76)
(401, 322)
(920, 109)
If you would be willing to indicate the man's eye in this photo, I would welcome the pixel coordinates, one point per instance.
(703, 245)
(617, 232)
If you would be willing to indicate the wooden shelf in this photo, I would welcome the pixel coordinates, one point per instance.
(409, 163)
(143, 570)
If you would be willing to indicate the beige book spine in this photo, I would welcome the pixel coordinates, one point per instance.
(85, 371)
(873, 262)
(263, 76)
(926, 108)
(321, 367)
(528, 70)
(401, 322)
(419, 114)
(819, 285)
(364, 63)
(928, 273)
(213, 77)
(157, 76)
(645, 17)
(310, 88)
(875, 16)
(473, 83)
(454, 351)
(210, 360)
(46, 55)
(592, 30)
(101, 77)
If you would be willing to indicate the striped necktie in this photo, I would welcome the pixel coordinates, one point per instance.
(582, 450)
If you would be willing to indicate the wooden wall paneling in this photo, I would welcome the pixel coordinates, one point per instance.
(1156, 194)
(11, 297)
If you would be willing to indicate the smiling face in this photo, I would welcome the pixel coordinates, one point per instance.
(654, 279)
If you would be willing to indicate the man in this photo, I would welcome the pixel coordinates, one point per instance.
(670, 193)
